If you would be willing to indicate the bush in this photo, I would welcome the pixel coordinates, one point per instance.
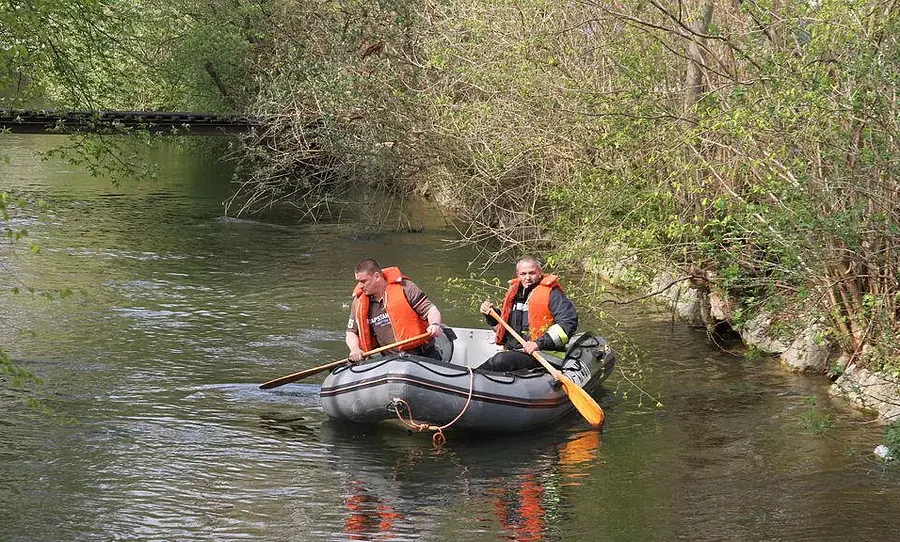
(892, 438)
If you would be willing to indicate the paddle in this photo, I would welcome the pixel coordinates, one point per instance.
(583, 402)
(309, 372)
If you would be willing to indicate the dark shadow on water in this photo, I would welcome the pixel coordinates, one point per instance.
(285, 423)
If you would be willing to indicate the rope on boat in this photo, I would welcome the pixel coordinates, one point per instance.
(438, 438)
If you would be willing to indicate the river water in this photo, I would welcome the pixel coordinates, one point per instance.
(151, 425)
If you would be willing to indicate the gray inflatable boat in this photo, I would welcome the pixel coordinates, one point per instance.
(455, 393)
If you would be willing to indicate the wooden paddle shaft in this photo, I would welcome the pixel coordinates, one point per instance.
(550, 368)
(309, 372)
(581, 400)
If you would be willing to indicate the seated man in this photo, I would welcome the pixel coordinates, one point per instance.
(387, 307)
(536, 307)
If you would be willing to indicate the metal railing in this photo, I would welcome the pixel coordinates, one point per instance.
(119, 122)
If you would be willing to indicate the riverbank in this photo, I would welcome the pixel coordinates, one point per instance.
(796, 338)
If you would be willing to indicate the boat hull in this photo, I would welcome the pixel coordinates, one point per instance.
(437, 392)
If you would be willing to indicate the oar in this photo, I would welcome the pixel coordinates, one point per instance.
(583, 402)
(309, 372)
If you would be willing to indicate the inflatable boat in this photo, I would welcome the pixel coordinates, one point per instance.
(455, 393)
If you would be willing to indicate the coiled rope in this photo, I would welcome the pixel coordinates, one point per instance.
(438, 438)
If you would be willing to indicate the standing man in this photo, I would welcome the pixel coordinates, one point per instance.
(387, 307)
(536, 307)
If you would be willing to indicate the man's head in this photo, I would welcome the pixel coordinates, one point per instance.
(369, 278)
(528, 271)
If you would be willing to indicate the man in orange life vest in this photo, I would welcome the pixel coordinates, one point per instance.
(387, 307)
(536, 307)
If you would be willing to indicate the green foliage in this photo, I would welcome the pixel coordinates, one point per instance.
(542, 126)
(754, 354)
(334, 85)
(572, 131)
(892, 438)
(470, 292)
(60, 52)
(776, 178)
(215, 43)
(128, 55)
(132, 55)
(817, 422)
(14, 375)
(111, 157)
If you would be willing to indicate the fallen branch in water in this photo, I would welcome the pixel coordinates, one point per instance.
(666, 287)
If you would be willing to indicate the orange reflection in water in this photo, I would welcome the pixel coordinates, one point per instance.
(578, 454)
(519, 503)
(369, 515)
(521, 509)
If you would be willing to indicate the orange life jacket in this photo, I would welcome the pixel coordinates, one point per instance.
(405, 321)
(539, 316)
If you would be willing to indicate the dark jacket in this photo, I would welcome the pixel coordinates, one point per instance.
(562, 309)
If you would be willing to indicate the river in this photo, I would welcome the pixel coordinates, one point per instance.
(151, 425)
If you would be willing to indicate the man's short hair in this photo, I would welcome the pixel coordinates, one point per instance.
(529, 259)
(369, 266)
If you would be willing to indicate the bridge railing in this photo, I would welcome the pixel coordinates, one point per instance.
(116, 122)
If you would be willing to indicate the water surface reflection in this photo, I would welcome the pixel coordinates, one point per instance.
(514, 484)
(161, 433)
